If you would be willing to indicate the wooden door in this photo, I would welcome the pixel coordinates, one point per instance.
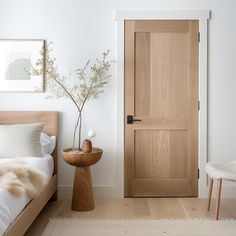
(161, 89)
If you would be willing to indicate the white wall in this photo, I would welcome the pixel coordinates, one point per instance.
(81, 29)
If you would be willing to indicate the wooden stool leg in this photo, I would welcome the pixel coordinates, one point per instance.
(219, 184)
(209, 194)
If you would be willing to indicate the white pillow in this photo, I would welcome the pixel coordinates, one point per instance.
(20, 140)
(47, 143)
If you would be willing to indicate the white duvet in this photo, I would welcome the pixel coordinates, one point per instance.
(10, 206)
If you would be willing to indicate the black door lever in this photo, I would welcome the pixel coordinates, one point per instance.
(130, 119)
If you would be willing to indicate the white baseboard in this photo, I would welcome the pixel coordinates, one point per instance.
(226, 192)
(111, 192)
(100, 192)
(64, 192)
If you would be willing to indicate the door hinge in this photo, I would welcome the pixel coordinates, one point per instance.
(198, 105)
(198, 173)
(198, 37)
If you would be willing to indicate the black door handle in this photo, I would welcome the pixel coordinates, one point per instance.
(130, 119)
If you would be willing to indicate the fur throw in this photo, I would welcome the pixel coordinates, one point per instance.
(18, 178)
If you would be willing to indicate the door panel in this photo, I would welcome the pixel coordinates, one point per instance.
(169, 72)
(161, 73)
(160, 154)
(161, 89)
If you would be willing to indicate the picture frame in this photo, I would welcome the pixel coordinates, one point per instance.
(16, 58)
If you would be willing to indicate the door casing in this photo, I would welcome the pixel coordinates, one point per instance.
(202, 16)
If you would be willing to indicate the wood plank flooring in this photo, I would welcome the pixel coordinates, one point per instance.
(135, 208)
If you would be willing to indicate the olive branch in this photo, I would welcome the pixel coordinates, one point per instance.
(88, 83)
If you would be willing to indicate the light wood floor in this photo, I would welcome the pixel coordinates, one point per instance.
(135, 208)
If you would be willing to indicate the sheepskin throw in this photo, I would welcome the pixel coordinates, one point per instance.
(18, 178)
(221, 170)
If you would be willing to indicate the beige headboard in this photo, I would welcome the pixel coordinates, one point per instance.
(20, 117)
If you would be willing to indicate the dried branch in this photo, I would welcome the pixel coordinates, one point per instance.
(87, 85)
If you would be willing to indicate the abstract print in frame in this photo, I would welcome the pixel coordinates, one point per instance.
(16, 58)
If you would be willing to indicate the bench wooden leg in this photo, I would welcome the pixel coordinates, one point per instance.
(219, 185)
(209, 194)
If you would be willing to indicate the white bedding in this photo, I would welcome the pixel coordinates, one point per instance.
(11, 206)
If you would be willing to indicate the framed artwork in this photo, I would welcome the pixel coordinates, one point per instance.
(16, 58)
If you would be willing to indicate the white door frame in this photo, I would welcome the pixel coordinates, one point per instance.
(202, 16)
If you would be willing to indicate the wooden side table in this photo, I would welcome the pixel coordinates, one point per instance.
(83, 199)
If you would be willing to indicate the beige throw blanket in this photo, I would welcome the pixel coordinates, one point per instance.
(18, 178)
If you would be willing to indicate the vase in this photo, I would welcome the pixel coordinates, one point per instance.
(87, 146)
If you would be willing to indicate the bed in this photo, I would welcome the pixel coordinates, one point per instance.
(23, 221)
